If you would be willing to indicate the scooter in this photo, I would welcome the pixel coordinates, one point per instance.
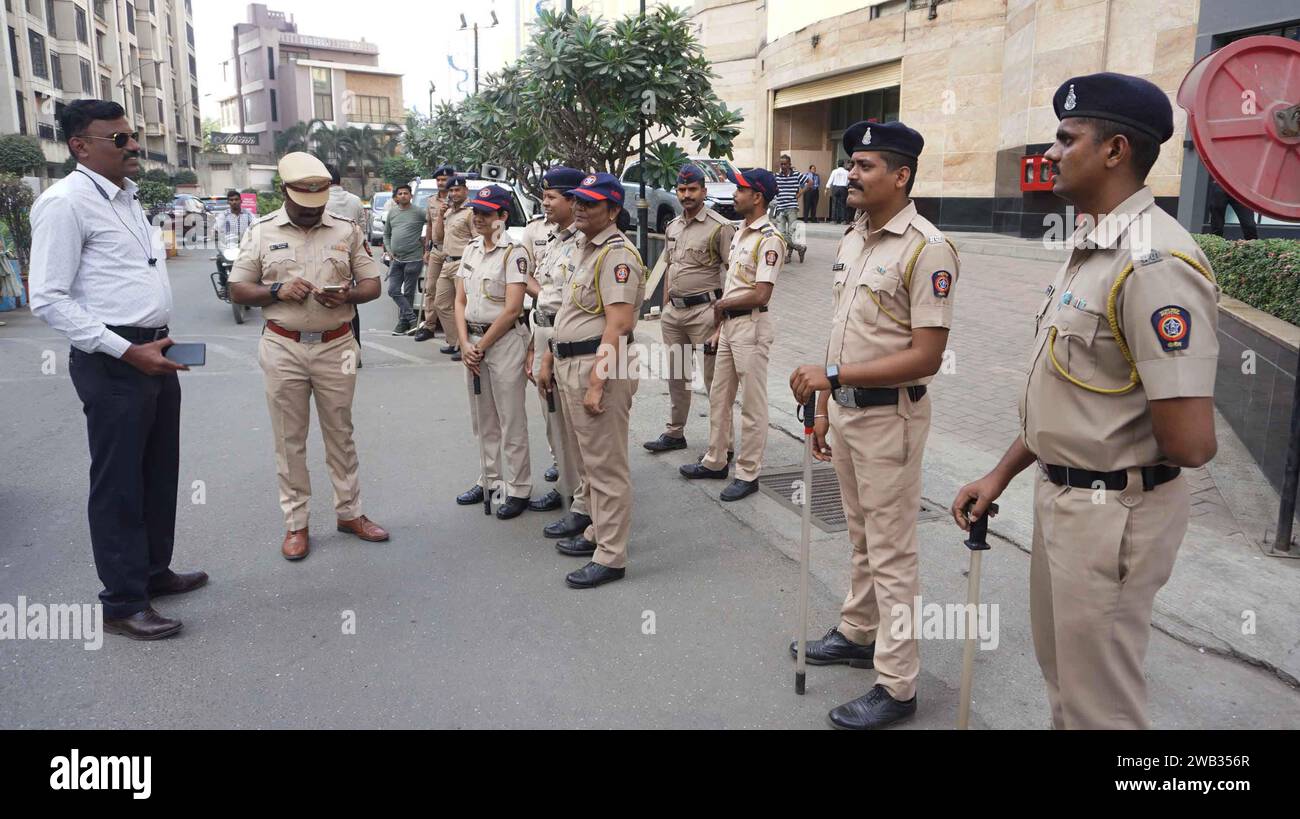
(225, 260)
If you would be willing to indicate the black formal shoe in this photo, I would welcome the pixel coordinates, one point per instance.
(665, 443)
(512, 508)
(835, 649)
(177, 583)
(552, 475)
(402, 328)
(143, 625)
(875, 709)
(546, 503)
(422, 334)
(573, 523)
(738, 489)
(696, 471)
(360, 365)
(593, 575)
(455, 356)
(470, 496)
(576, 546)
(449, 349)
(731, 456)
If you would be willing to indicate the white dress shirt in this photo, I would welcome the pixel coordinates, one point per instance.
(839, 178)
(90, 263)
(231, 227)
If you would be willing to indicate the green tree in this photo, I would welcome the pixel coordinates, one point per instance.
(156, 175)
(399, 170)
(20, 155)
(15, 204)
(210, 125)
(155, 194)
(273, 199)
(185, 177)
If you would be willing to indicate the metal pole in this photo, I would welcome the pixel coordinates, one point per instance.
(1290, 478)
(643, 206)
(476, 59)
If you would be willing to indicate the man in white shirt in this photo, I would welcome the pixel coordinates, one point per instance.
(99, 277)
(232, 224)
(839, 185)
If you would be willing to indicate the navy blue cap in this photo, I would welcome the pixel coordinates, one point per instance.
(759, 179)
(456, 182)
(490, 199)
(561, 178)
(599, 187)
(883, 136)
(444, 170)
(690, 174)
(1130, 101)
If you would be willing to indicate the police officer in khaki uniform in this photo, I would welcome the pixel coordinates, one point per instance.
(298, 264)
(894, 278)
(547, 290)
(490, 283)
(536, 235)
(1119, 398)
(451, 230)
(433, 257)
(596, 375)
(697, 246)
(743, 338)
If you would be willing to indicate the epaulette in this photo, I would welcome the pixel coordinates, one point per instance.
(262, 219)
(537, 216)
(715, 216)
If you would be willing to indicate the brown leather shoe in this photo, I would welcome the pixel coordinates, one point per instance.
(364, 528)
(178, 583)
(295, 546)
(143, 625)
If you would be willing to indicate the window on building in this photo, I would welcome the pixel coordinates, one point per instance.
(157, 73)
(130, 18)
(194, 67)
(194, 96)
(22, 113)
(139, 102)
(153, 9)
(105, 88)
(37, 47)
(56, 70)
(198, 128)
(275, 109)
(49, 18)
(82, 35)
(371, 109)
(99, 48)
(13, 52)
(161, 117)
(248, 109)
(86, 87)
(322, 89)
(879, 106)
(270, 62)
(189, 34)
(99, 9)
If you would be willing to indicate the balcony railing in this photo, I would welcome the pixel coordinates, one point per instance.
(46, 131)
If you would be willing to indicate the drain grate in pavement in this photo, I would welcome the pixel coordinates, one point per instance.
(827, 505)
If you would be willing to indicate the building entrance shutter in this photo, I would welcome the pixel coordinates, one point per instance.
(885, 75)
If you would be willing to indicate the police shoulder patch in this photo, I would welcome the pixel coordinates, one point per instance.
(622, 273)
(522, 264)
(1173, 327)
(770, 258)
(941, 281)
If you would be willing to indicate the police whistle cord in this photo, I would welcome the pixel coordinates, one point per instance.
(482, 459)
(807, 413)
(977, 543)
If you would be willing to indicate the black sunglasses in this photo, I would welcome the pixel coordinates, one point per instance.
(119, 139)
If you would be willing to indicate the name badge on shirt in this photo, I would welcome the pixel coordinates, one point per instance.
(837, 266)
(279, 246)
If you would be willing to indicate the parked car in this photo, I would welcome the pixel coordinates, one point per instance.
(378, 210)
(520, 212)
(663, 204)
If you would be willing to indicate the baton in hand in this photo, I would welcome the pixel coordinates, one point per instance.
(808, 412)
(482, 460)
(978, 544)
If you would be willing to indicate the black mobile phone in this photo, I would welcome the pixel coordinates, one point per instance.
(191, 355)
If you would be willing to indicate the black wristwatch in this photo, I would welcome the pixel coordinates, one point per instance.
(833, 375)
(275, 291)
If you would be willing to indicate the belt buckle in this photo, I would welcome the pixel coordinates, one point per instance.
(843, 396)
(310, 337)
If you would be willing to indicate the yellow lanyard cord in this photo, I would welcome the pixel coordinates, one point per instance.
(1112, 318)
(595, 280)
(907, 283)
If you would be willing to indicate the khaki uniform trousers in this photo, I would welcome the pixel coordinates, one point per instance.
(566, 459)
(743, 349)
(499, 418)
(444, 299)
(1094, 572)
(293, 373)
(432, 273)
(600, 442)
(688, 326)
(877, 458)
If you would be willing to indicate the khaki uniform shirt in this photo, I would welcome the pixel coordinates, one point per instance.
(457, 230)
(553, 267)
(536, 234)
(431, 209)
(757, 254)
(876, 303)
(697, 251)
(1167, 312)
(347, 205)
(331, 252)
(486, 274)
(621, 281)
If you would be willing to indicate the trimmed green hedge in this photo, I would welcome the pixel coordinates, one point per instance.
(1264, 273)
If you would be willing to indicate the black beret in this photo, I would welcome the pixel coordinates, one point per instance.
(883, 136)
(1131, 101)
(444, 170)
(689, 174)
(561, 178)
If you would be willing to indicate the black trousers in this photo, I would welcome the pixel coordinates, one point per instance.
(810, 198)
(839, 198)
(1218, 202)
(133, 422)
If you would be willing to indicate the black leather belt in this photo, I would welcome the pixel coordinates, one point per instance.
(543, 319)
(1152, 476)
(139, 335)
(739, 313)
(874, 396)
(569, 349)
(682, 302)
(457, 258)
(476, 329)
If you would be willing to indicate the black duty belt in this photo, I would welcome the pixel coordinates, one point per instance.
(570, 349)
(1152, 476)
(457, 258)
(476, 329)
(139, 335)
(874, 396)
(682, 302)
(740, 313)
(541, 318)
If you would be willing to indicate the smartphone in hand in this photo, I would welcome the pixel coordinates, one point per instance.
(191, 355)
